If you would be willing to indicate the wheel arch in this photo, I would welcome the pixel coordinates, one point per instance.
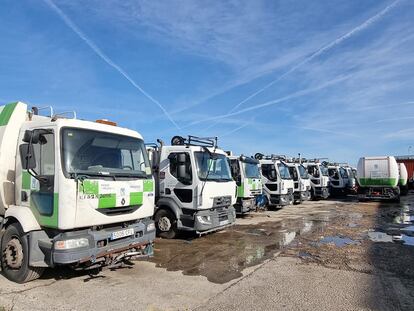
(23, 216)
(169, 205)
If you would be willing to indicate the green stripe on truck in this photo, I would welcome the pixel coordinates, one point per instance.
(240, 191)
(26, 180)
(148, 185)
(403, 182)
(136, 198)
(6, 113)
(90, 187)
(107, 200)
(392, 182)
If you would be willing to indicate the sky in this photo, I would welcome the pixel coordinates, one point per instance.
(324, 78)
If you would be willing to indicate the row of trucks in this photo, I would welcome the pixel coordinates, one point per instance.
(91, 194)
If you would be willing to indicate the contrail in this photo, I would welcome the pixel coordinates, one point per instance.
(105, 58)
(276, 101)
(322, 50)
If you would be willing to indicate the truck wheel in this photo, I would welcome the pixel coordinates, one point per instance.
(15, 256)
(166, 224)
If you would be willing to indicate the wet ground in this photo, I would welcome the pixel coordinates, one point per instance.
(361, 255)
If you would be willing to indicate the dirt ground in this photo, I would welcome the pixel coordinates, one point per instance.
(325, 255)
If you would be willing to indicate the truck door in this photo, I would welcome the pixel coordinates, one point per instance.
(38, 185)
(180, 188)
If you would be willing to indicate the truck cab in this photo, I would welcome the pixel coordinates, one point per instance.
(301, 181)
(77, 193)
(319, 179)
(338, 179)
(195, 190)
(277, 183)
(245, 172)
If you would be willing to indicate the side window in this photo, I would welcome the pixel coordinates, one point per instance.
(45, 155)
(269, 172)
(173, 157)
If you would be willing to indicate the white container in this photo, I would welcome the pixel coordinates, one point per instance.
(403, 174)
(377, 172)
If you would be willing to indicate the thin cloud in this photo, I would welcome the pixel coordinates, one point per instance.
(105, 58)
(277, 101)
(317, 53)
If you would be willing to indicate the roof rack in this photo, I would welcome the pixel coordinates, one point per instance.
(315, 160)
(260, 156)
(194, 141)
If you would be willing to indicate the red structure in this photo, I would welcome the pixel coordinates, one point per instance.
(408, 160)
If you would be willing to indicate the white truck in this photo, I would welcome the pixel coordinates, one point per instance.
(194, 187)
(301, 181)
(245, 172)
(73, 192)
(378, 178)
(339, 179)
(277, 182)
(403, 179)
(319, 178)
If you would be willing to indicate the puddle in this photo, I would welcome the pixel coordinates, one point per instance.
(338, 241)
(377, 236)
(222, 256)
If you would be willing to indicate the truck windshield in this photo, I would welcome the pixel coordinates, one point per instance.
(216, 169)
(95, 153)
(302, 171)
(251, 170)
(283, 171)
(324, 170)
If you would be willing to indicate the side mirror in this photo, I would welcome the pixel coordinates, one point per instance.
(31, 136)
(27, 156)
(273, 174)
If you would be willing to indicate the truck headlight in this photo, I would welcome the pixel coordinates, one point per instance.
(151, 227)
(72, 243)
(204, 219)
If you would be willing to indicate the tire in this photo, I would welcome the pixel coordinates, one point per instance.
(162, 217)
(16, 267)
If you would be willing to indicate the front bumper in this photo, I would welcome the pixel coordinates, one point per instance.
(214, 219)
(245, 205)
(281, 199)
(301, 196)
(321, 192)
(102, 249)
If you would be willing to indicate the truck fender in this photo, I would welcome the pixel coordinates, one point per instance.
(24, 216)
(169, 204)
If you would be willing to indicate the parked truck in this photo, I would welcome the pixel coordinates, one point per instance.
(402, 181)
(277, 182)
(339, 179)
(319, 178)
(74, 193)
(245, 172)
(194, 189)
(378, 178)
(301, 180)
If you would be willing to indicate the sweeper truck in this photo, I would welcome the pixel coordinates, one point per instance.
(73, 192)
(193, 184)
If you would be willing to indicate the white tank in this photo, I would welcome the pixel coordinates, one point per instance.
(403, 174)
(12, 117)
(377, 172)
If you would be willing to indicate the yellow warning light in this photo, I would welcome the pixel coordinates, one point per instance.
(105, 121)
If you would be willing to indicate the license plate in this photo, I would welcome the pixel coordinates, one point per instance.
(122, 233)
(224, 222)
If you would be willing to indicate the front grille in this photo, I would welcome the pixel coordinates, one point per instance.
(222, 201)
(113, 211)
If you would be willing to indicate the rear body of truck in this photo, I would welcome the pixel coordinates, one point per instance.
(246, 173)
(378, 178)
(194, 187)
(74, 193)
(403, 179)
